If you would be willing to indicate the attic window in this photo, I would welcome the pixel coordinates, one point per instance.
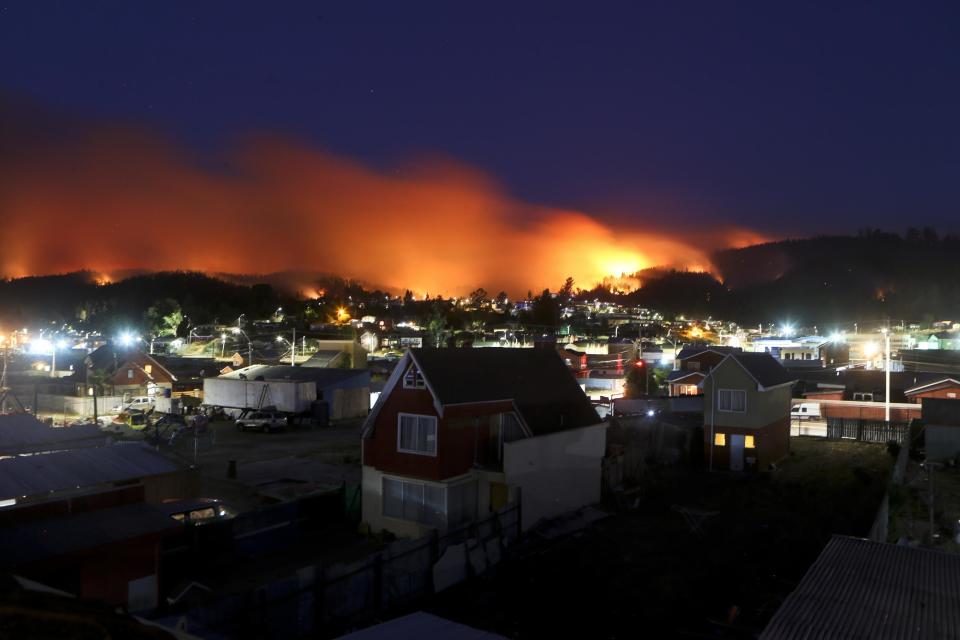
(412, 379)
(148, 368)
(129, 374)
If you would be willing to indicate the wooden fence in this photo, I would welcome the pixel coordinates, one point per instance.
(867, 430)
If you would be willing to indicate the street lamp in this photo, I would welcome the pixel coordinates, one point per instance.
(238, 330)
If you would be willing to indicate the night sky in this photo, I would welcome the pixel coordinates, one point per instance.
(784, 118)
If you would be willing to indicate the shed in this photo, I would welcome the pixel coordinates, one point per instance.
(50, 476)
(22, 433)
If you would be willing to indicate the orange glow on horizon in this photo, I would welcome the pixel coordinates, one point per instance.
(121, 199)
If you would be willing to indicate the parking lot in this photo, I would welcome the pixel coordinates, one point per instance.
(309, 456)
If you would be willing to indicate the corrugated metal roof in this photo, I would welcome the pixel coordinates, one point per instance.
(52, 537)
(863, 589)
(416, 626)
(42, 473)
(23, 432)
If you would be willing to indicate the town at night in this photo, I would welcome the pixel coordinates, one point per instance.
(376, 321)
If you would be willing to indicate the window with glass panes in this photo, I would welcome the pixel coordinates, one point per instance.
(415, 501)
(417, 434)
(732, 400)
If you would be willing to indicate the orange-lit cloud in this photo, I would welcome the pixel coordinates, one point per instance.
(115, 198)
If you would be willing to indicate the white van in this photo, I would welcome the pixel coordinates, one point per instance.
(143, 403)
(806, 411)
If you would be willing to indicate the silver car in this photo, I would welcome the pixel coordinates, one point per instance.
(265, 421)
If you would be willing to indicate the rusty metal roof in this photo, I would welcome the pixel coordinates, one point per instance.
(863, 589)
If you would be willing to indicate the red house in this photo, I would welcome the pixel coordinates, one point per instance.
(946, 387)
(692, 366)
(458, 433)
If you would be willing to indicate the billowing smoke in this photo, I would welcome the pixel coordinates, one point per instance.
(112, 198)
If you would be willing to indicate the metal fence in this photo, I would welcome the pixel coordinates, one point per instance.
(325, 600)
(867, 430)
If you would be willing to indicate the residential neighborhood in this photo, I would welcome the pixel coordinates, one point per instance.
(415, 321)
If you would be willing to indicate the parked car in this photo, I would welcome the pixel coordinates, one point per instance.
(806, 411)
(140, 403)
(262, 421)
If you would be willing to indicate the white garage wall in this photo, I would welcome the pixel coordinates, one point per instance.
(556, 473)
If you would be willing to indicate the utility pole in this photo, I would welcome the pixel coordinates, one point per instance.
(293, 349)
(931, 466)
(886, 397)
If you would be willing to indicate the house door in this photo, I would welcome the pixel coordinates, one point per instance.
(736, 452)
(499, 494)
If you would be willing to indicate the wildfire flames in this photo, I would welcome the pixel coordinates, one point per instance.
(116, 198)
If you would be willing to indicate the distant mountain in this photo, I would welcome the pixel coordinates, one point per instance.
(845, 278)
(821, 281)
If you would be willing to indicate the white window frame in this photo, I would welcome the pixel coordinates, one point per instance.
(419, 417)
(720, 393)
(417, 377)
(422, 504)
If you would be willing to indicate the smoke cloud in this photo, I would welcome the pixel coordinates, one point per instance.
(110, 198)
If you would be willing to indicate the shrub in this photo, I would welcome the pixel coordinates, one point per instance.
(893, 448)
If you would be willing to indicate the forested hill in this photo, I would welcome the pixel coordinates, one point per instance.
(914, 277)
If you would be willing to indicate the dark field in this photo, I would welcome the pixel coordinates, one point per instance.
(643, 573)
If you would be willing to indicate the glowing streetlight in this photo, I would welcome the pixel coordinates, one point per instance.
(126, 338)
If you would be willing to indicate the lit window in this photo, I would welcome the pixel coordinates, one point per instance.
(748, 442)
(734, 400)
(412, 379)
(720, 440)
(417, 434)
(148, 368)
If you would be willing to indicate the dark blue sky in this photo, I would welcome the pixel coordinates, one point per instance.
(784, 116)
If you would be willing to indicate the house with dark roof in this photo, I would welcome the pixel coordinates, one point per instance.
(458, 433)
(692, 365)
(130, 371)
(863, 589)
(746, 412)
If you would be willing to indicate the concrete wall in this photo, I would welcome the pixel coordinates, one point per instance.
(863, 409)
(556, 473)
(75, 405)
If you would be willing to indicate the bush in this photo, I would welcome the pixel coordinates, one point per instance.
(893, 448)
(862, 475)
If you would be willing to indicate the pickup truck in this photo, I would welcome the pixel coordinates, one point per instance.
(265, 421)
